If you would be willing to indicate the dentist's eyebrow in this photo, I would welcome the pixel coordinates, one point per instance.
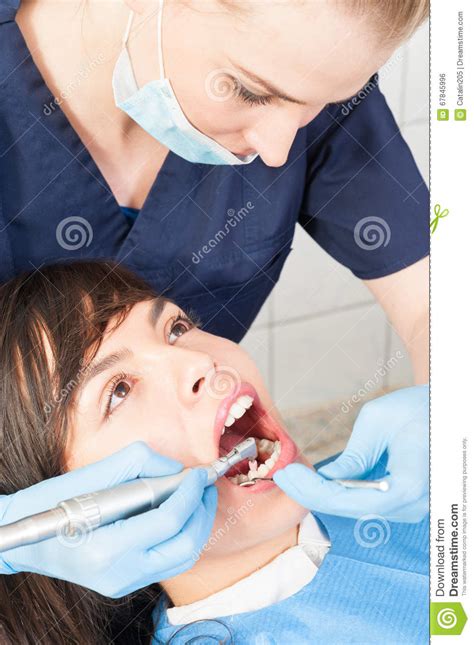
(269, 87)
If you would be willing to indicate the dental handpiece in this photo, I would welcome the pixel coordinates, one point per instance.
(90, 511)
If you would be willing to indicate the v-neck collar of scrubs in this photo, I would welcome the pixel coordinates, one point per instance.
(65, 135)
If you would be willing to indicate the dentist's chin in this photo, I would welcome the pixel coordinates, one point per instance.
(274, 161)
(272, 158)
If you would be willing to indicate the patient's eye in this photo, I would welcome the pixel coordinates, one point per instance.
(179, 326)
(118, 390)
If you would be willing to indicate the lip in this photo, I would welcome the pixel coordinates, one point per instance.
(273, 431)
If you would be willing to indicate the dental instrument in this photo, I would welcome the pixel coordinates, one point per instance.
(381, 485)
(88, 512)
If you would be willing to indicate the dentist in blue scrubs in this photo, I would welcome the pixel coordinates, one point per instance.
(187, 141)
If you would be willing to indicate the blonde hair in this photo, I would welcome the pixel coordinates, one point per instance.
(394, 20)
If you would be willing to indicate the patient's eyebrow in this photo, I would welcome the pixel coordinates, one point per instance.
(157, 306)
(96, 368)
(104, 364)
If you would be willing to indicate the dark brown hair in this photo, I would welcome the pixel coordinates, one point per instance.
(69, 306)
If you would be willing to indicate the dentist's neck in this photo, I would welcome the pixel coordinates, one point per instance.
(210, 575)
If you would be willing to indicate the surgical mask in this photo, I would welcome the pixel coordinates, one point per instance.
(156, 109)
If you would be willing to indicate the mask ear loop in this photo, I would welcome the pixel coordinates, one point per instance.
(126, 35)
(160, 40)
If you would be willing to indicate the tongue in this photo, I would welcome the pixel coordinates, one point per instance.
(228, 441)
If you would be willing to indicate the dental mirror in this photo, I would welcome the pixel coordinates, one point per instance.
(252, 482)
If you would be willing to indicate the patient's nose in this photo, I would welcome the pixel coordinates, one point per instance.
(194, 369)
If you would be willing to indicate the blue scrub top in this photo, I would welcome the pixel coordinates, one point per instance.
(213, 238)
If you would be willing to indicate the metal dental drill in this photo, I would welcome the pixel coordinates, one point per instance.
(92, 510)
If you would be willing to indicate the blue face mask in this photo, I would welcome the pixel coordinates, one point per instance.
(156, 109)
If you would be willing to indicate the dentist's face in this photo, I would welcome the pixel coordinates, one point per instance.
(158, 379)
(218, 61)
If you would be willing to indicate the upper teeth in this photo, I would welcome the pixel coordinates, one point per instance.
(237, 410)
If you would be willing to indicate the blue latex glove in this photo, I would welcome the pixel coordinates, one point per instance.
(117, 559)
(397, 423)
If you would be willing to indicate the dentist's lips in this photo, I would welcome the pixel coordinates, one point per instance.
(255, 422)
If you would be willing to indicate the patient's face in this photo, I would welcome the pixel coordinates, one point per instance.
(176, 387)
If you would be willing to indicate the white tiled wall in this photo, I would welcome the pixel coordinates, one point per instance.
(321, 335)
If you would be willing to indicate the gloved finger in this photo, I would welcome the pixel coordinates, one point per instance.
(189, 542)
(348, 465)
(364, 449)
(316, 493)
(135, 460)
(408, 487)
(166, 559)
(162, 523)
(176, 565)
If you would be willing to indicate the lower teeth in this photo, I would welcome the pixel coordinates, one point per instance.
(265, 446)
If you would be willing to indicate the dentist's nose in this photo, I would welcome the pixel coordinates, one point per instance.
(273, 136)
(272, 144)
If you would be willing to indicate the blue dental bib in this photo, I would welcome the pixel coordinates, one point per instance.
(372, 587)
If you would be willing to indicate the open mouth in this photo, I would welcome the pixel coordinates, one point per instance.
(243, 416)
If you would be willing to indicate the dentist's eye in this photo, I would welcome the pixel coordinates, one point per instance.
(245, 95)
(118, 390)
(180, 325)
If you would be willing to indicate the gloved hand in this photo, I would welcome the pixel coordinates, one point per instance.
(117, 559)
(397, 423)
